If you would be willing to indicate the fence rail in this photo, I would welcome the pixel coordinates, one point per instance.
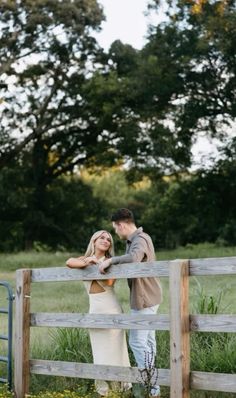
(179, 322)
(198, 323)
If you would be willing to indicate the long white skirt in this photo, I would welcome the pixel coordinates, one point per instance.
(109, 346)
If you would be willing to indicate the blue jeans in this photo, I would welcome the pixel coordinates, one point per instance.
(143, 344)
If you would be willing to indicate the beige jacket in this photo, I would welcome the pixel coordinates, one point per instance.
(144, 292)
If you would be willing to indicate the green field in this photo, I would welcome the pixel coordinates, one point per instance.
(71, 297)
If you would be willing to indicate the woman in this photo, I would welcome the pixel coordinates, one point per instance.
(109, 346)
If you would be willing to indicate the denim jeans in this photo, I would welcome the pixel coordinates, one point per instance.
(143, 344)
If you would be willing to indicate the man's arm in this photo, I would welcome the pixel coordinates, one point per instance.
(137, 252)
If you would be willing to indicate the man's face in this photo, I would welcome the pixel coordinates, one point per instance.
(119, 228)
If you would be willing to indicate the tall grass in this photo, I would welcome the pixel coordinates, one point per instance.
(64, 344)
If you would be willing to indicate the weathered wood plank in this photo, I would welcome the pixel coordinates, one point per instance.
(213, 381)
(115, 321)
(213, 323)
(209, 266)
(22, 333)
(179, 329)
(121, 271)
(213, 266)
(198, 323)
(90, 371)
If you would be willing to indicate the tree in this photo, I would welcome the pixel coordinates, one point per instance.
(181, 84)
(194, 207)
(46, 52)
(194, 52)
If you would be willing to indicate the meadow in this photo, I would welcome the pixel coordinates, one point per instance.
(209, 352)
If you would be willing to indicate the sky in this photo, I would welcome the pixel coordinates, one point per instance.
(125, 21)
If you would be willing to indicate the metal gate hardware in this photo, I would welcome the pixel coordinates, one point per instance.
(8, 337)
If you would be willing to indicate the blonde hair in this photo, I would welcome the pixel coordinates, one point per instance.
(91, 246)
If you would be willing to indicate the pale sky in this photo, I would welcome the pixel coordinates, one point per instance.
(125, 20)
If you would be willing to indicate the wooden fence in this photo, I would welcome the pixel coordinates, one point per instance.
(180, 323)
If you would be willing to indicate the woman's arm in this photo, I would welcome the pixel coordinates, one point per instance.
(80, 262)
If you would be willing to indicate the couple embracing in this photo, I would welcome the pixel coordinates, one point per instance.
(109, 345)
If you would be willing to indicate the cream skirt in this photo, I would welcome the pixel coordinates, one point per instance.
(109, 346)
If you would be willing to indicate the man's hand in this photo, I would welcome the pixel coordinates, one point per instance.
(105, 264)
(91, 260)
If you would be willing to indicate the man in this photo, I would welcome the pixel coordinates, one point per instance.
(145, 293)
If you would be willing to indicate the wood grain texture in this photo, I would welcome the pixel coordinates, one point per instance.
(213, 266)
(209, 266)
(22, 333)
(213, 323)
(121, 271)
(213, 381)
(90, 371)
(179, 329)
(91, 321)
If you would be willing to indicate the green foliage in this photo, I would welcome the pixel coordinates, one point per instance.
(205, 303)
(111, 188)
(71, 345)
(193, 208)
(64, 344)
(83, 107)
(66, 218)
(5, 393)
(197, 41)
(212, 352)
(63, 393)
(59, 131)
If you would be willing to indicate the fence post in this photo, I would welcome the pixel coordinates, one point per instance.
(179, 329)
(22, 332)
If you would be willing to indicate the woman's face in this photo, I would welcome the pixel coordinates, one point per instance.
(103, 242)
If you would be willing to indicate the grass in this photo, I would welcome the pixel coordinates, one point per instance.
(209, 352)
(11, 262)
(201, 250)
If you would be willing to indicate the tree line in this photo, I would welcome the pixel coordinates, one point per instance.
(68, 106)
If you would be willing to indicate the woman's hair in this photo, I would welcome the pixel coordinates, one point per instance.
(91, 247)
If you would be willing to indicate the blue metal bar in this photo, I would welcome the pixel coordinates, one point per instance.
(3, 310)
(3, 359)
(8, 311)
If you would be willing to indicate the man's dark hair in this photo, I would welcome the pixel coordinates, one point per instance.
(123, 215)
